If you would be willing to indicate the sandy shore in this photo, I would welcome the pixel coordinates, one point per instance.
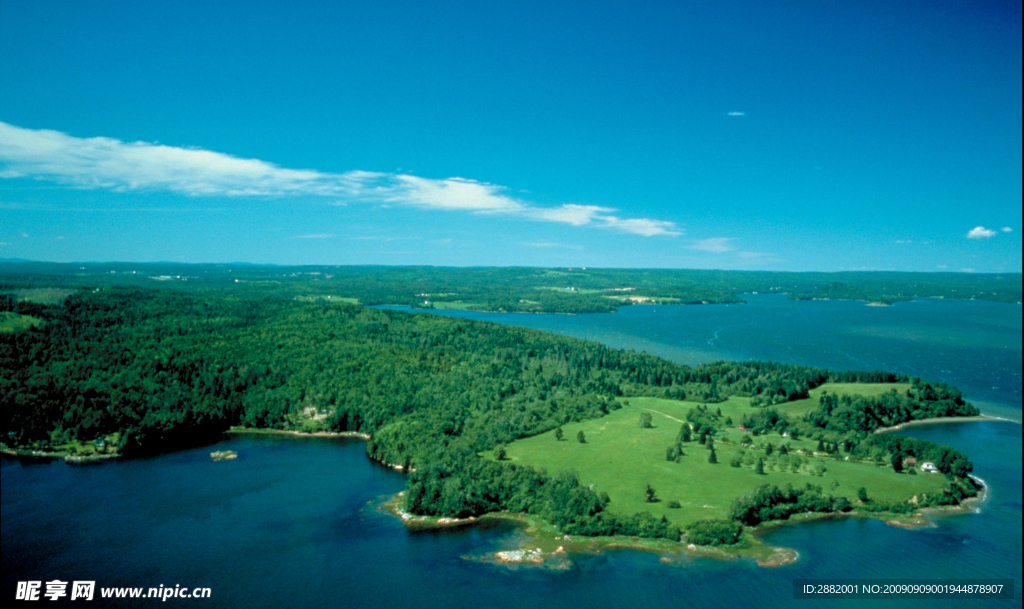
(982, 417)
(69, 457)
(301, 434)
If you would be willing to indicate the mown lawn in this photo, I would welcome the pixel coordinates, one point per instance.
(621, 459)
(14, 322)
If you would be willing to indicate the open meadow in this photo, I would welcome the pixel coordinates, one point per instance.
(621, 458)
(13, 322)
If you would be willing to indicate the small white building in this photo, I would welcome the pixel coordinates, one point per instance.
(929, 467)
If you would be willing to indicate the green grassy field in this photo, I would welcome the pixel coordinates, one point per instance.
(45, 296)
(13, 322)
(621, 459)
(335, 299)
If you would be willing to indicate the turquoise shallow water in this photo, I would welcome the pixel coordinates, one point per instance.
(293, 522)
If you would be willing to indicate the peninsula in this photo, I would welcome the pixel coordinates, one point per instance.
(486, 419)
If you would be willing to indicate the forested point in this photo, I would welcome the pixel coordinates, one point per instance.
(143, 370)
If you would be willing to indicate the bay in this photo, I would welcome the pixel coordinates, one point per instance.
(296, 521)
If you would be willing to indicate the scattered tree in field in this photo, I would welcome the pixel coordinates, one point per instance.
(821, 446)
(759, 468)
(645, 420)
(862, 494)
(784, 449)
(499, 452)
(897, 463)
(768, 450)
(675, 505)
(728, 420)
(912, 471)
(650, 494)
(712, 458)
(559, 434)
(710, 443)
(581, 437)
(736, 461)
(834, 485)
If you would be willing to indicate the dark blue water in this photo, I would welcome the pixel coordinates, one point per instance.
(294, 522)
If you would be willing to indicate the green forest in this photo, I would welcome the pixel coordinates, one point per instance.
(137, 371)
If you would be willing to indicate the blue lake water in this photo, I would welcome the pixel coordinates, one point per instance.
(295, 522)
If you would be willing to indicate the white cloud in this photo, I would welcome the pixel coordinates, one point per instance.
(110, 164)
(452, 193)
(716, 245)
(735, 113)
(1006, 229)
(577, 215)
(641, 226)
(980, 232)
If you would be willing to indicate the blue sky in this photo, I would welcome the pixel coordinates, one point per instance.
(733, 135)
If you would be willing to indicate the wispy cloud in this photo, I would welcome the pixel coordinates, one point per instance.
(717, 245)
(980, 232)
(735, 113)
(110, 164)
(1006, 229)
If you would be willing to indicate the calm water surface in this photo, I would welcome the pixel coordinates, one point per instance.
(294, 522)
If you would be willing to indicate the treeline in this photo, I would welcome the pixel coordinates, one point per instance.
(166, 368)
(861, 413)
(515, 289)
(768, 502)
(460, 484)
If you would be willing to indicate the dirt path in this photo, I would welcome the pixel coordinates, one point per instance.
(664, 415)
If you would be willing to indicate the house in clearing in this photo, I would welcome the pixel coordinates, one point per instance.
(929, 467)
